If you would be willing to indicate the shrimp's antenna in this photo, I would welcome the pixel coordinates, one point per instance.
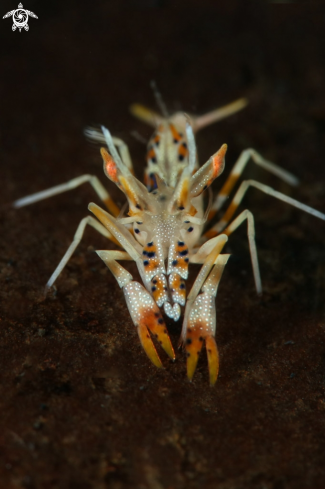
(111, 147)
(161, 104)
(191, 147)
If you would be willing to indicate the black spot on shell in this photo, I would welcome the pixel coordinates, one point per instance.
(190, 229)
(188, 341)
(180, 157)
(184, 252)
(160, 321)
(174, 263)
(137, 231)
(182, 286)
(151, 254)
(181, 243)
(153, 289)
(146, 263)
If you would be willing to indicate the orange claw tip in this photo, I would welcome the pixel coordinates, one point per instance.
(164, 340)
(213, 359)
(109, 165)
(148, 345)
(155, 323)
(219, 160)
(193, 346)
(191, 364)
(211, 214)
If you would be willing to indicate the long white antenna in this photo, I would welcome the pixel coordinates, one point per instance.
(111, 147)
(191, 147)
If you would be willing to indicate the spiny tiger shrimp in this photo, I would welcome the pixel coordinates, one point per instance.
(165, 227)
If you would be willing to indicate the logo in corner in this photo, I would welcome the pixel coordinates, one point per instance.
(20, 18)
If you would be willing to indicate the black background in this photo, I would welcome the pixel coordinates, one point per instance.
(81, 405)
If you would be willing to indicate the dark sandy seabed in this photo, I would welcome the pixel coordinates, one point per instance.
(81, 406)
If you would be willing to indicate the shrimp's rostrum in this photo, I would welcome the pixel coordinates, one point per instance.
(164, 231)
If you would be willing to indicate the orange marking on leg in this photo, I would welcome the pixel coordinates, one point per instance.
(211, 214)
(229, 184)
(211, 233)
(112, 207)
(229, 213)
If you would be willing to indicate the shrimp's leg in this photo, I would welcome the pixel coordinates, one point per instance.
(245, 185)
(91, 221)
(144, 311)
(238, 169)
(200, 315)
(200, 321)
(71, 184)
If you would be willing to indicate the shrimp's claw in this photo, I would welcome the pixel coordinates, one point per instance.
(213, 359)
(148, 345)
(200, 327)
(193, 346)
(147, 319)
